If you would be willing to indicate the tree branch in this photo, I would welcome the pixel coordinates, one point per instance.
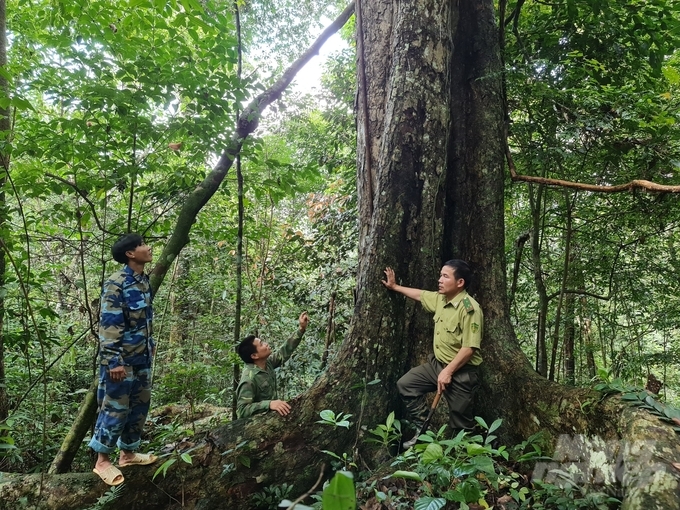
(83, 194)
(306, 494)
(246, 124)
(635, 184)
(579, 292)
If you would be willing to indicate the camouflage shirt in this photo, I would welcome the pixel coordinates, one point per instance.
(125, 329)
(258, 387)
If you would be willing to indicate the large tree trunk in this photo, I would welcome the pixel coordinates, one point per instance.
(435, 191)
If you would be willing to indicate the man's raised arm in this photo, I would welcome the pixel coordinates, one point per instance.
(286, 350)
(391, 283)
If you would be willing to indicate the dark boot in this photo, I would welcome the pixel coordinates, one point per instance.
(407, 444)
(416, 409)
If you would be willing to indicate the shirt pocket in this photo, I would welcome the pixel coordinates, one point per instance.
(266, 390)
(135, 315)
(453, 330)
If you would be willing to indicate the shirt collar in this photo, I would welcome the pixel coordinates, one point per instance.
(456, 299)
(254, 366)
(128, 271)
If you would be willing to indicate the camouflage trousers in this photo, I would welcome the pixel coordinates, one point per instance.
(123, 407)
(459, 394)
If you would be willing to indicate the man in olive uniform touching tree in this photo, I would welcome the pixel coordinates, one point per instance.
(452, 368)
(256, 392)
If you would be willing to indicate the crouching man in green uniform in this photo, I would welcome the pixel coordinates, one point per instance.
(452, 368)
(256, 392)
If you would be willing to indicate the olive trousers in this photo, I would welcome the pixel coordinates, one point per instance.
(459, 394)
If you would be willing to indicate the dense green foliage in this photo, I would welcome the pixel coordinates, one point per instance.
(468, 470)
(119, 108)
(117, 124)
(592, 96)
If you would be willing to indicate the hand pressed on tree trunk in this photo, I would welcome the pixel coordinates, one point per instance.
(281, 407)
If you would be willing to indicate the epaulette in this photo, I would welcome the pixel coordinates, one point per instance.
(118, 278)
(468, 305)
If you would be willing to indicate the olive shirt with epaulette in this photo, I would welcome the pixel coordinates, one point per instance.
(125, 326)
(258, 387)
(457, 323)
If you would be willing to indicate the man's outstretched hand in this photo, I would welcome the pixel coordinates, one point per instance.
(280, 407)
(303, 320)
(391, 281)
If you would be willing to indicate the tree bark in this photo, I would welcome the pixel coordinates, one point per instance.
(569, 340)
(5, 127)
(519, 248)
(330, 330)
(541, 326)
(239, 232)
(239, 275)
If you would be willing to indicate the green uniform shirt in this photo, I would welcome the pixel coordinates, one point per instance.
(458, 323)
(258, 387)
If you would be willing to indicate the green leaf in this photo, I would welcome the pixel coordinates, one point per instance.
(671, 74)
(469, 488)
(244, 460)
(476, 449)
(432, 453)
(164, 468)
(482, 463)
(454, 496)
(340, 494)
(654, 404)
(672, 412)
(497, 423)
(630, 397)
(390, 420)
(409, 475)
(21, 104)
(327, 415)
(428, 503)
(332, 454)
(186, 458)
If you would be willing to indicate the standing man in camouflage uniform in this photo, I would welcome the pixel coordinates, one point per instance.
(256, 392)
(452, 369)
(126, 348)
